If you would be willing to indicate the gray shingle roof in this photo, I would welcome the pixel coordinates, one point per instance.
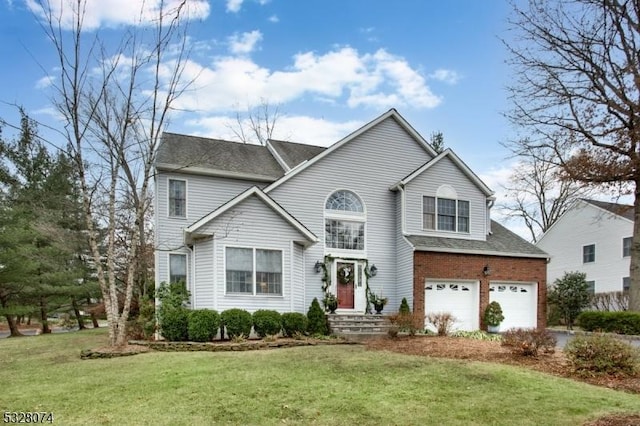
(295, 153)
(623, 210)
(500, 242)
(192, 151)
(226, 156)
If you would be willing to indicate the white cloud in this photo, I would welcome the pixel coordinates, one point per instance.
(234, 6)
(241, 44)
(114, 13)
(45, 82)
(446, 76)
(274, 18)
(379, 80)
(300, 129)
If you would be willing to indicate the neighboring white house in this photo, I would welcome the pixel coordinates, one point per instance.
(274, 226)
(593, 237)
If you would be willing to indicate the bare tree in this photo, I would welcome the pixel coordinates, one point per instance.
(537, 194)
(578, 86)
(257, 124)
(115, 104)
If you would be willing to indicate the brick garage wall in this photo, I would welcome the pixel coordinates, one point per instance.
(431, 265)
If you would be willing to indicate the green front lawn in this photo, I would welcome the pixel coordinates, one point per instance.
(320, 385)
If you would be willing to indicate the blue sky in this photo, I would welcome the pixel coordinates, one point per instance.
(331, 65)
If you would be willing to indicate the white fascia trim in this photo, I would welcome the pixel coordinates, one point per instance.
(254, 190)
(391, 113)
(165, 167)
(272, 149)
(458, 162)
(480, 252)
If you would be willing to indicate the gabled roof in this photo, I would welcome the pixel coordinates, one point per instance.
(294, 154)
(253, 191)
(447, 153)
(392, 113)
(624, 210)
(231, 159)
(501, 242)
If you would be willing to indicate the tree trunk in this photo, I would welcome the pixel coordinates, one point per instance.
(76, 310)
(13, 327)
(94, 320)
(634, 267)
(43, 317)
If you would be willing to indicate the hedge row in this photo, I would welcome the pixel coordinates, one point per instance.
(621, 322)
(179, 324)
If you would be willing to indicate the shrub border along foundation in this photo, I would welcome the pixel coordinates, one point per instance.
(249, 345)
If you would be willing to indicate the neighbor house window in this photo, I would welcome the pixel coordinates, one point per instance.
(591, 287)
(177, 268)
(345, 219)
(253, 271)
(589, 253)
(626, 246)
(177, 198)
(626, 284)
(444, 214)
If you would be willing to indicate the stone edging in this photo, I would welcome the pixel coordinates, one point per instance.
(230, 346)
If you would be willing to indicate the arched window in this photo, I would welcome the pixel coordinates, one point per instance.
(344, 221)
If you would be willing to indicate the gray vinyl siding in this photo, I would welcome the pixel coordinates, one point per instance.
(367, 165)
(203, 285)
(253, 224)
(404, 259)
(427, 184)
(204, 194)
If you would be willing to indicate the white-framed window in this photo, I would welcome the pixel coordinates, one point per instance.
(589, 253)
(177, 267)
(445, 214)
(253, 271)
(591, 287)
(626, 246)
(626, 284)
(177, 198)
(345, 219)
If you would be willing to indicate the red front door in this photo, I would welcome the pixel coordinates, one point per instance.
(346, 279)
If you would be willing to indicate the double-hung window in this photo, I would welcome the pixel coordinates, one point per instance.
(253, 271)
(177, 198)
(626, 246)
(177, 268)
(589, 253)
(444, 214)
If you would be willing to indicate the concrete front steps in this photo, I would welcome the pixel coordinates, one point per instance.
(358, 326)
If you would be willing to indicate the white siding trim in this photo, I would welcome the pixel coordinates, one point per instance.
(291, 272)
(215, 274)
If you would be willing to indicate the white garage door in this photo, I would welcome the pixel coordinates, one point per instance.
(518, 302)
(461, 299)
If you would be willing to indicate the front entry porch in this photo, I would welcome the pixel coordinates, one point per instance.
(358, 326)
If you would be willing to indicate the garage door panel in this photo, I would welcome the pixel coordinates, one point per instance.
(518, 302)
(458, 298)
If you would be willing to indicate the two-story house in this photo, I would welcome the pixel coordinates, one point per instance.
(593, 237)
(272, 227)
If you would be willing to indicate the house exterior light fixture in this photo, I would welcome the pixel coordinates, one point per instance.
(373, 271)
(318, 267)
(486, 271)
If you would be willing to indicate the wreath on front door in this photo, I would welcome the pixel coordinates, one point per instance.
(345, 275)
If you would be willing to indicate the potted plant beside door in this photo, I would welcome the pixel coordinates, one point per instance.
(378, 302)
(493, 317)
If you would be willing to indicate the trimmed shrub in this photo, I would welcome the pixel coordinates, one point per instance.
(294, 323)
(600, 354)
(404, 307)
(442, 321)
(203, 325)
(317, 321)
(407, 322)
(529, 341)
(267, 322)
(174, 324)
(621, 322)
(237, 322)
